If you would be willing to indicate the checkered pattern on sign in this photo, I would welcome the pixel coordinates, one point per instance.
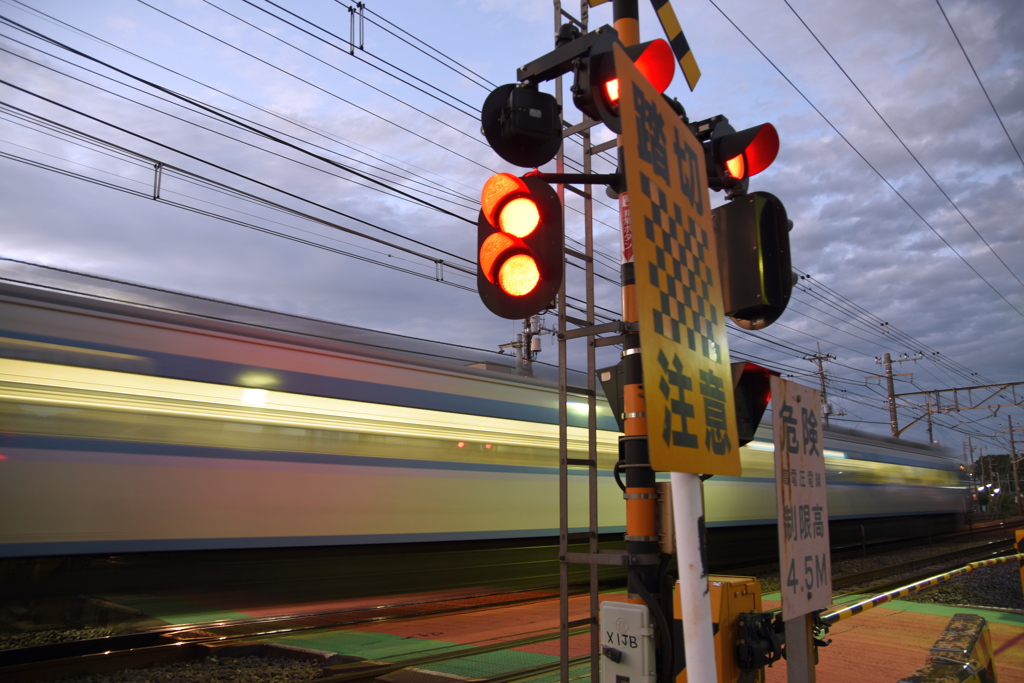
(680, 273)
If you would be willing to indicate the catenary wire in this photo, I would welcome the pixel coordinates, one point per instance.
(220, 187)
(377, 155)
(904, 144)
(980, 83)
(471, 111)
(323, 90)
(381, 185)
(869, 164)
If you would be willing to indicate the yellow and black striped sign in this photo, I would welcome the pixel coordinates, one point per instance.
(691, 414)
(680, 48)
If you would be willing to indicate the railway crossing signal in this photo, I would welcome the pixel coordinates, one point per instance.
(520, 246)
(522, 124)
(596, 88)
(521, 269)
(732, 157)
(755, 267)
(752, 392)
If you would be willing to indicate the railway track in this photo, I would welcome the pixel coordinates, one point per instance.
(195, 641)
(892, 576)
(239, 637)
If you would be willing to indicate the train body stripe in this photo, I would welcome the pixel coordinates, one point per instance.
(192, 368)
(13, 550)
(70, 449)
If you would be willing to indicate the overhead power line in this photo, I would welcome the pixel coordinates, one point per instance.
(904, 144)
(212, 110)
(481, 81)
(381, 185)
(235, 192)
(327, 92)
(980, 83)
(471, 108)
(865, 160)
(219, 168)
(332, 137)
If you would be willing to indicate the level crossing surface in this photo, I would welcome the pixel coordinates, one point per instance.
(892, 641)
(883, 644)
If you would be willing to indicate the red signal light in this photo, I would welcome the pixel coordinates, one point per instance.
(520, 241)
(762, 150)
(596, 88)
(611, 91)
(519, 217)
(498, 189)
(747, 152)
(736, 167)
(519, 275)
(656, 62)
(491, 250)
(732, 157)
(507, 204)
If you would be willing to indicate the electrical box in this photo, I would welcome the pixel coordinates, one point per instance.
(730, 597)
(627, 643)
(1020, 549)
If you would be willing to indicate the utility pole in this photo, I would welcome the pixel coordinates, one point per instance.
(527, 345)
(887, 361)
(818, 358)
(931, 439)
(970, 470)
(893, 420)
(1013, 460)
(533, 327)
(985, 471)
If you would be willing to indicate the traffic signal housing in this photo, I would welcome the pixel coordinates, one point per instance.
(596, 87)
(520, 246)
(752, 392)
(731, 157)
(522, 124)
(756, 271)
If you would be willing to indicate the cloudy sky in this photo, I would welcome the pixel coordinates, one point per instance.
(302, 176)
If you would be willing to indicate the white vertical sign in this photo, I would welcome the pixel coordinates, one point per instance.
(804, 560)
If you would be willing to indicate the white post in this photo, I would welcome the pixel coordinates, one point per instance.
(694, 596)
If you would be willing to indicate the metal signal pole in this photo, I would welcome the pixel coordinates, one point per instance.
(641, 491)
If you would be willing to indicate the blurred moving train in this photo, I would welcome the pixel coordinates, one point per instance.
(134, 419)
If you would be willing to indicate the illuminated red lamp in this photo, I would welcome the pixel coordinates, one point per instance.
(758, 147)
(520, 245)
(505, 260)
(655, 61)
(731, 157)
(596, 89)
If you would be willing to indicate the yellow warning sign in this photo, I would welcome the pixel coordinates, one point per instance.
(691, 417)
(680, 48)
